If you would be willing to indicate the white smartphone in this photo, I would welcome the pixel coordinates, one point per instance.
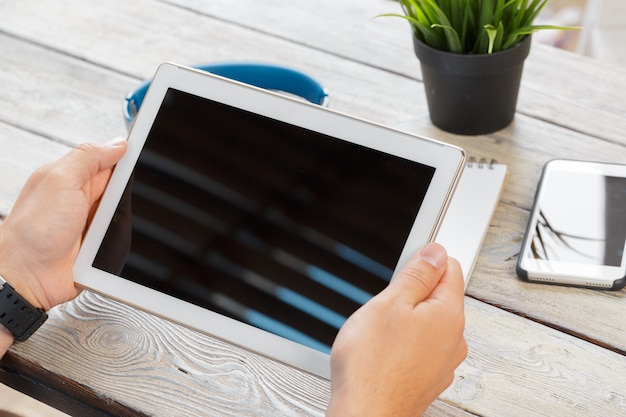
(576, 233)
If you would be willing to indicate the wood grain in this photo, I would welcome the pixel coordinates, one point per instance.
(565, 308)
(127, 356)
(148, 40)
(66, 68)
(68, 101)
(348, 32)
(24, 152)
(521, 368)
(354, 32)
(135, 355)
(143, 363)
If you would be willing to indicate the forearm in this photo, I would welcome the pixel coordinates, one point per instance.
(16, 295)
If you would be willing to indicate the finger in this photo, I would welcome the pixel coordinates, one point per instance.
(98, 185)
(73, 170)
(450, 292)
(101, 157)
(451, 287)
(421, 274)
(87, 159)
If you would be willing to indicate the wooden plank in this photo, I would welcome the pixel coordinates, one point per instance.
(145, 364)
(525, 146)
(81, 46)
(188, 38)
(347, 31)
(588, 314)
(589, 102)
(22, 153)
(87, 116)
(512, 363)
(494, 279)
(519, 368)
(544, 140)
(66, 100)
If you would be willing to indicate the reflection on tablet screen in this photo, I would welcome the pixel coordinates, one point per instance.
(283, 228)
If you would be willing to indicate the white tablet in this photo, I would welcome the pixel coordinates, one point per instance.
(261, 219)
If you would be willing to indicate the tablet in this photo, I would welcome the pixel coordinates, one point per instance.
(260, 219)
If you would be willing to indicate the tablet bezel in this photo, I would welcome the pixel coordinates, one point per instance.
(448, 160)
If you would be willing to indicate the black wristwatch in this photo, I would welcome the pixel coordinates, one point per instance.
(17, 314)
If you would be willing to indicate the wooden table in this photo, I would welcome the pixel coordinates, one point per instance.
(533, 349)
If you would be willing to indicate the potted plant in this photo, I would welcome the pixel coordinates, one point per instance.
(472, 54)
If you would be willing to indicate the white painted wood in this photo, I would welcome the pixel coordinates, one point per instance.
(515, 367)
(348, 29)
(65, 70)
(22, 152)
(521, 368)
(158, 368)
(66, 100)
(134, 39)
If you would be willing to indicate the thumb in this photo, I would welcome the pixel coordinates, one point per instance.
(101, 157)
(421, 274)
(89, 158)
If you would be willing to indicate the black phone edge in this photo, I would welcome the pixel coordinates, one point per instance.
(618, 284)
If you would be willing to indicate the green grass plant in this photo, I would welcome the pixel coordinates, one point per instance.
(473, 26)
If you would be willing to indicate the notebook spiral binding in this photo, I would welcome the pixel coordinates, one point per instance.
(481, 163)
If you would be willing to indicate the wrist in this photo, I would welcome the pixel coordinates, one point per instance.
(17, 315)
(343, 404)
(16, 280)
(16, 274)
(21, 312)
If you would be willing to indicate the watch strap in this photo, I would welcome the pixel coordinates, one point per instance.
(17, 314)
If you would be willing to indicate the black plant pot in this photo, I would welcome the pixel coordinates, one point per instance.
(472, 94)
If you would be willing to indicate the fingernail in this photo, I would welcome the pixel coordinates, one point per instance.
(118, 141)
(434, 254)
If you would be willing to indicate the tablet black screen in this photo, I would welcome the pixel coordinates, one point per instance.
(278, 226)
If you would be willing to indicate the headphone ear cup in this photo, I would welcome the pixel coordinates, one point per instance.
(268, 76)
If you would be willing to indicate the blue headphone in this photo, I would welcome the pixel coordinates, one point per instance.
(268, 76)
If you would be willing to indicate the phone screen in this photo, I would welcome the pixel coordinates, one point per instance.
(577, 229)
(581, 218)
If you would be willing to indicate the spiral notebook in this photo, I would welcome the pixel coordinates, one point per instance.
(473, 204)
